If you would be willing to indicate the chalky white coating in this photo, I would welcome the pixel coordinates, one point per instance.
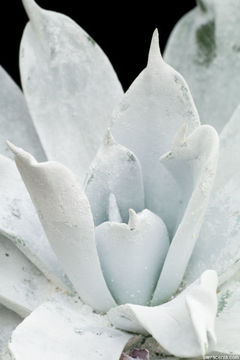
(70, 87)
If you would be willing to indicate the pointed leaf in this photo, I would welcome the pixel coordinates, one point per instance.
(204, 47)
(66, 331)
(218, 244)
(19, 222)
(115, 170)
(65, 214)
(153, 109)
(22, 286)
(70, 87)
(184, 326)
(193, 161)
(15, 122)
(132, 255)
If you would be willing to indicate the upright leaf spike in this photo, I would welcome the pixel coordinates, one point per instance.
(154, 51)
(19, 152)
(109, 139)
(32, 9)
(38, 18)
(132, 222)
(113, 209)
(146, 120)
(34, 12)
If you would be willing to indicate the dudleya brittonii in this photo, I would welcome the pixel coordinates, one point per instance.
(135, 231)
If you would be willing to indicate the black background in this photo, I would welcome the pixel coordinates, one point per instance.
(122, 30)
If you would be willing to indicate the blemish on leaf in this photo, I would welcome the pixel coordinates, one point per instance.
(90, 179)
(222, 302)
(19, 241)
(236, 48)
(15, 208)
(206, 43)
(91, 40)
(183, 88)
(201, 5)
(130, 156)
(78, 331)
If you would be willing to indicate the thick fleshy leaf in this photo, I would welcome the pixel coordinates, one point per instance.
(22, 286)
(132, 255)
(228, 319)
(70, 87)
(193, 161)
(184, 326)
(114, 170)
(19, 222)
(204, 47)
(65, 330)
(218, 244)
(65, 214)
(156, 105)
(8, 321)
(15, 122)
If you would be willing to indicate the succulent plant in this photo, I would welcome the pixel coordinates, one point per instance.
(133, 248)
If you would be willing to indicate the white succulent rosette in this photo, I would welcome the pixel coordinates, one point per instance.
(125, 252)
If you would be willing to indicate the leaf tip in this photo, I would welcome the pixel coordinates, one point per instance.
(30, 7)
(154, 51)
(20, 154)
(12, 147)
(109, 139)
(132, 221)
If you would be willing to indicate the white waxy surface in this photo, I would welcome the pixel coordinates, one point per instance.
(205, 48)
(218, 244)
(228, 164)
(70, 87)
(19, 222)
(8, 321)
(22, 286)
(15, 122)
(156, 105)
(228, 319)
(184, 326)
(65, 214)
(66, 331)
(113, 209)
(192, 158)
(132, 255)
(115, 170)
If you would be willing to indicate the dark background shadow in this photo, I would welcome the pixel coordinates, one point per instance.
(122, 30)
